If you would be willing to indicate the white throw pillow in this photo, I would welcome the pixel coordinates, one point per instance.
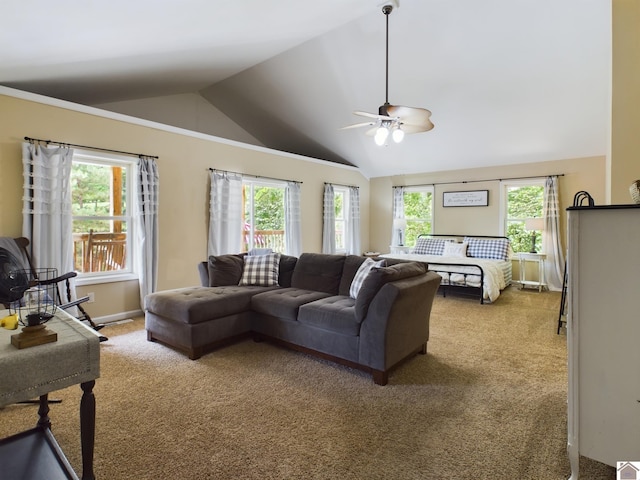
(455, 249)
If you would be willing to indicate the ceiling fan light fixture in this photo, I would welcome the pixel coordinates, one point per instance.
(398, 134)
(381, 135)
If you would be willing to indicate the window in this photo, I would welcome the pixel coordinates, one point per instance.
(522, 201)
(263, 215)
(341, 204)
(102, 226)
(418, 212)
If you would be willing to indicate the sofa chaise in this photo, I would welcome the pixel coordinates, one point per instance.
(344, 308)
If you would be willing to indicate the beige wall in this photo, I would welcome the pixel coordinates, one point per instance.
(625, 110)
(578, 174)
(183, 165)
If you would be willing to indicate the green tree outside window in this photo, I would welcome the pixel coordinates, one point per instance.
(523, 202)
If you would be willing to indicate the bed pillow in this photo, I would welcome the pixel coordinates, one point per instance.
(493, 248)
(430, 246)
(361, 275)
(261, 270)
(452, 249)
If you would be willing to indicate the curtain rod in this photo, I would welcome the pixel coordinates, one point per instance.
(254, 176)
(63, 144)
(480, 181)
(341, 185)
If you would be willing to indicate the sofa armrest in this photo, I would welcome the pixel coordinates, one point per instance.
(203, 271)
(397, 321)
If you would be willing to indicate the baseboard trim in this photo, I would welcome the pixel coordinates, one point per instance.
(116, 317)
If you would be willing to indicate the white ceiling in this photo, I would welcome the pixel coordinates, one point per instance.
(508, 81)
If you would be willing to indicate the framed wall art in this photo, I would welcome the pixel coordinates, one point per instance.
(469, 198)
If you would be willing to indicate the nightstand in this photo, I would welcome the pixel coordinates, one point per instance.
(538, 258)
(399, 249)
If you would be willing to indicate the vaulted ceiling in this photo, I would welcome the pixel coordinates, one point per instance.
(507, 81)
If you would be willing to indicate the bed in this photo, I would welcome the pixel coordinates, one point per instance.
(472, 265)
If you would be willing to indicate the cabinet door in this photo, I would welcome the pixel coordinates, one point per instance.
(607, 256)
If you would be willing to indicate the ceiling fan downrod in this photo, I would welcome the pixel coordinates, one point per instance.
(387, 9)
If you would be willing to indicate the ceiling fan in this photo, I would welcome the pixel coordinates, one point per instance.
(393, 119)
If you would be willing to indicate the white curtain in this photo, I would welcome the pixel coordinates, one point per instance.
(292, 219)
(225, 213)
(352, 240)
(328, 220)
(146, 225)
(398, 215)
(554, 263)
(46, 210)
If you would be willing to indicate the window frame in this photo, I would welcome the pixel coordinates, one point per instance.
(430, 189)
(344, 191)
(107, 159)
(253, 183)
(505, 185)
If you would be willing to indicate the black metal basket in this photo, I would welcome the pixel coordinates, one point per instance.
(37, 305)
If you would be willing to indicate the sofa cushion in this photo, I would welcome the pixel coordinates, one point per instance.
(319, 272)
(335, 314)
(261, 270)
(284, 302)
(201, 304)
(378, 277)
(225, 270)
(351, 265)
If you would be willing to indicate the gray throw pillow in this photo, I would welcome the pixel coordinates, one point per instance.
(287, 265)
(225, 270)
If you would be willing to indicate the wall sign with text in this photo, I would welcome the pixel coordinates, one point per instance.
(470, 198)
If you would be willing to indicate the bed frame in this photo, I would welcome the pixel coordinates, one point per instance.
(460, 288)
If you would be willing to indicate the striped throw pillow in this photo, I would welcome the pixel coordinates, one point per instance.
(361, 275)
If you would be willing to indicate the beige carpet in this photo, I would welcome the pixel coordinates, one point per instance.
(487, 402)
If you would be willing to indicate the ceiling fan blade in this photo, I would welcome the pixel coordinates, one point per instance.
(412, 119)
(373, 115)
(358, 125)
(408, 128)
(410, 115)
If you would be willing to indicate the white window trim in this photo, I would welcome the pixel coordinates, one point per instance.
(345, 214)
(504, 186)
(254, 182)
(425, 189)
(109, 159)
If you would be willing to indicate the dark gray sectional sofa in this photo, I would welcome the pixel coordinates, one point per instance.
(310, 310)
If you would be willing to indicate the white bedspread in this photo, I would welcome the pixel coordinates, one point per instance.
(494, 280)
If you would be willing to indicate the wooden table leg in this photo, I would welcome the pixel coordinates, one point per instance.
(43, 412)
(87, 428)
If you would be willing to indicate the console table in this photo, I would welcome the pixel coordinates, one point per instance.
(33, 372)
